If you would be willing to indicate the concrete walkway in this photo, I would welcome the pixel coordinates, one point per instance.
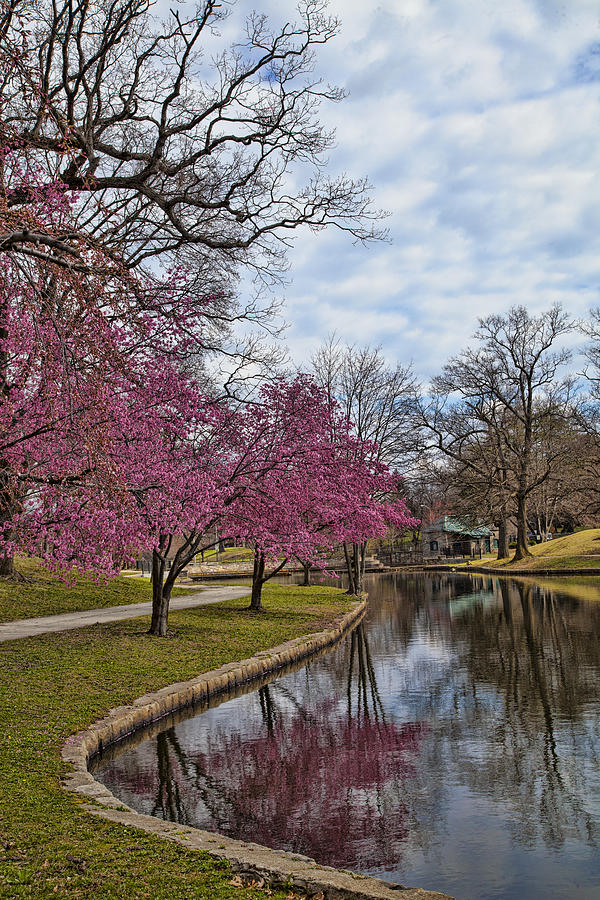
(22, 628)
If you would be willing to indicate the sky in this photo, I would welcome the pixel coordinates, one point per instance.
(478, 125)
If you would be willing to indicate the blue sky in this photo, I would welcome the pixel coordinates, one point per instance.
(478, 124)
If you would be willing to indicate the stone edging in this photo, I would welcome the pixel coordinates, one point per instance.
(252, 862)
(533, 573)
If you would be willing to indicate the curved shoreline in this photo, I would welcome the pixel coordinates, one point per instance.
(251, 861)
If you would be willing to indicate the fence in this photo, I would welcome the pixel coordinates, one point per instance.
(400, 557)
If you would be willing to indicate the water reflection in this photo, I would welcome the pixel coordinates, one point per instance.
(365, 681)
(451, 742)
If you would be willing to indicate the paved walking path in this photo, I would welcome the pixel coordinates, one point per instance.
(22, 628)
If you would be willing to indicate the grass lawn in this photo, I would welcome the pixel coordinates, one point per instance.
(574, 551)
(230, 554)
(58, 684)
(43, 594)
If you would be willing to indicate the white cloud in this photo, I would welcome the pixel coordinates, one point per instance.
(479, 126)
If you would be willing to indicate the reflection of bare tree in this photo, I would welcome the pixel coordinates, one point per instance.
(366, 680)
(513, 717)
(169, 802)
(522, 699)
(267, 707)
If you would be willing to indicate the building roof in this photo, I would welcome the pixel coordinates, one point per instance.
(458, 526)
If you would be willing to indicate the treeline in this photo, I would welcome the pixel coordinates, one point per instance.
(508, 432)
(512, 425)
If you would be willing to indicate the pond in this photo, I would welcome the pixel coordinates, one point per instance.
(451, 742)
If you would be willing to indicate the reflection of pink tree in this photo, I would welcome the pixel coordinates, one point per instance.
(312, 778)
(334, 793)
(309, 783)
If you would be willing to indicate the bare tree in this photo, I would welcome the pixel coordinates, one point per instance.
(426, 494)
(589, 455)
(467, 431)
(560, 499)
(376, 397)
(380, 402)
(175, 157)
(592, 330)
(492, 403)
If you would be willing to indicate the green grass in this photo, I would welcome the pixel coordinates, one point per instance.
(574, 551)
(229, 555)
(44, 594)
(58, 684)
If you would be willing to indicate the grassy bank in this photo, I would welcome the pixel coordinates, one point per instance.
(43, 594)
(574, 551)
(58, 684)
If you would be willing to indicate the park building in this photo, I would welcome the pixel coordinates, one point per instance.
(449, 536)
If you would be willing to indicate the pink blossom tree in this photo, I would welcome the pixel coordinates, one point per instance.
(320, 485)
(96, 412)
(79, 344)
(262, 461)
(106, 447)
(95, 407)
(285, 476)
(378, 506)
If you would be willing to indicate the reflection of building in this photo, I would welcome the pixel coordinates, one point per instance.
(449, 536)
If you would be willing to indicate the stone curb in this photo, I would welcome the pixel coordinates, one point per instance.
(508, 573)
(252, 862)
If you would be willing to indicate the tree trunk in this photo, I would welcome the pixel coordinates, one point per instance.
(360, 554)
(350, 570)
(258, 580)
(163, 579)
(522, 551)
(161, 595)
(355, 562)
(7, 560)
(306, 567)
(7, 566)
(356, 567)
(7, 507)
(502, 539)
(160, 611)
